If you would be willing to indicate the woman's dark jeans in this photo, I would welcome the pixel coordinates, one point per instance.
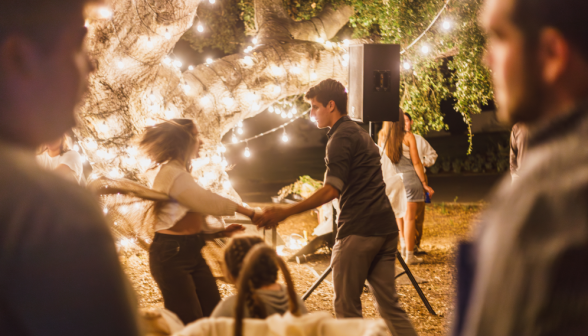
(185, 280)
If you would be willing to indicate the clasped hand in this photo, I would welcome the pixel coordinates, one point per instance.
(269, 218)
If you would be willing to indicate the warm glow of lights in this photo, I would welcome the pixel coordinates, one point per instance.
(276, 71)
(204, 100)
(76, 147)
(328, 44)
(209, 61)
(227, 184)
(320, 40)
(285, 137)
(406, 65)
(169, 114)
(212, 1)
(270, 109)
(425, 49)
(277, 89)
(150, 122)
(167, 35)
(284, 115)
(346, 42)
(254, 41)
(239, 131)
(295, 70)
(216, 159)
(167, 60)
(186, 87)
(446, 25)
(149, 43)
(105, 210)
(200, 28)
(91, 144)
(190, 67)
(228, 101)
(313, 76)
(248, 60)
(105, 13)
(234, 139)
(178, 63)
(312, 118)
(289, 115)
(240, 123)
(247, 153)
(120, 64)
(222, 149)
(224, 163)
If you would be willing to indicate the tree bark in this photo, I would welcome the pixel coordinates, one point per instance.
(135, 85)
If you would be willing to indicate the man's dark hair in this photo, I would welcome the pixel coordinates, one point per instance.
(567, 16)
(328, 90)
(40, 20)
(408, 116)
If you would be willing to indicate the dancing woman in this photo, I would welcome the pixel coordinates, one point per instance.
(396, 140)
(186, 282)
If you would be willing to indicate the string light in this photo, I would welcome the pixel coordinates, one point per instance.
(190, 67)
(284, 115)
(167, 34)
(178, 63)
(240, 123)
(254, 41)
(247, 60)
(406, 65)
(149, 42)
(204, 100)
(234, 139)
(270, 109)
(167, 60)
(247, 153)
(284, 136)
(76, 147)
(295, 70)
(313, 76)
(120, 64)
(346, 42)
(227, 184)
(320, 40)
(425, 49)
(239, 131)
(216, 159)
(446, 25)
(105, 12)
(209, 61)
(224, 163)
(212, 1)
(277, 89)
(105, 210)
(328, 44)
(169, 114)
(199, 27)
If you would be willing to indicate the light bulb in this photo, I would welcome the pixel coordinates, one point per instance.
(167, 34)
(150, 122)
(295, 70)
(446, 25)
(247, 60)
(120, 64)
(87, 23)
(149, 43)
(293, 111)
(285, 137)
(346, 42)
(234, 139)
(346, 57)
(227, 184)
(200, 28)
(204, 100)
(186, 87)
(178, 63)
(320, 40)
(406, 65)
(289, 114)
(239, 131)
(222, 149)
(270, 109)
(284, 115)
(190, 67)
(105, 12)
(169, 114)
(313, 76)
(76, 147)
(247, 153)
(212, 1)
(216, 159)
(254, 41)
(240, 123)
(167, 60)
(91, 144)
(328, 44)
(425, 49)
(209, 61)
(103, 128)
(277, 89)
(105, 210)
(224, 163)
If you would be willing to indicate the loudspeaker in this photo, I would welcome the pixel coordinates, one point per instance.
(374, 82)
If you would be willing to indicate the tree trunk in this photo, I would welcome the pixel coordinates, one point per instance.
(137, 84)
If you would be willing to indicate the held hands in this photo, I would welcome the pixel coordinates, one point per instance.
(270, 217)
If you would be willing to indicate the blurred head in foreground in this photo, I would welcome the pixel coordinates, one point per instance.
(538, 54)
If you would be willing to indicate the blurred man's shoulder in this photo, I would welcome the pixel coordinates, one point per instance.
(24, 183)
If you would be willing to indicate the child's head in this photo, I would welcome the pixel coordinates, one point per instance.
(265, 269)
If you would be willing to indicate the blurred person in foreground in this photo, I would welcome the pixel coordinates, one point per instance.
(367, 237)
(531, 249)
(428, 157)
(59, 270)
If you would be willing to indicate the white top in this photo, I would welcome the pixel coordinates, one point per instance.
(394, 186)
(426, 152)
(187, 196)
(71, 158)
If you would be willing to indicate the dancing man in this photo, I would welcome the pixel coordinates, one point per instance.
(367, 236)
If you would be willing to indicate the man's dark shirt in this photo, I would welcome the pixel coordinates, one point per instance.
(353, 168)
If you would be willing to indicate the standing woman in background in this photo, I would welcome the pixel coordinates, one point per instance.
(396, 140)
(187, 285)
(59, 157)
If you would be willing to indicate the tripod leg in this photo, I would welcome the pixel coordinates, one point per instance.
(415, 284)
(317, 283)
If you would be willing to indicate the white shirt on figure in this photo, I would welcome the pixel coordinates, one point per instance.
(71, 158)
(426, 152)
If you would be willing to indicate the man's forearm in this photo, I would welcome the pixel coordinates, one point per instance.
(322, 196)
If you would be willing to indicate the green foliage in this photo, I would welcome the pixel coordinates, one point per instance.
(305, 186)
(453, 69)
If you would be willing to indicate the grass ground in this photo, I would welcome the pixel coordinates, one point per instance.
(445, 225)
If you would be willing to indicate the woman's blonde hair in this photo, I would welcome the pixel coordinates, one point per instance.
(170, 140)
(391, 137)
